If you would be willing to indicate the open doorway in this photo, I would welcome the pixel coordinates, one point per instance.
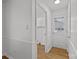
(41, 28)
(49, 40)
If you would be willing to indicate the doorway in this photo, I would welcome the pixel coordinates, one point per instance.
(41, 28)
(46, 48)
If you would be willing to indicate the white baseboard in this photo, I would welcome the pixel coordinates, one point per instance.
(48, 50)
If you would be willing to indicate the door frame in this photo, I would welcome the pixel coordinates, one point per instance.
(34, 46)
(34, 43)
(45, 34)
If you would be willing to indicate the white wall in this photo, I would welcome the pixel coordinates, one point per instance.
(48, 43)
(39, 11)
(72, 46)
(17, 28)
(72, 42)
(74, 21)
(59, 38)
(40, 25)
(48, 40)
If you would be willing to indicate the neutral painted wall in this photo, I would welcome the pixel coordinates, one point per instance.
(59, 38)
(72, 42)
(48, 43)
(72, 45)
(17, 28)
(40, 25)
(74, 21)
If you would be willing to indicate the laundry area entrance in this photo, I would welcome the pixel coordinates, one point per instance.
(52, 28)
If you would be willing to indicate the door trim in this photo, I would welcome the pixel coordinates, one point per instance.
(34, 47)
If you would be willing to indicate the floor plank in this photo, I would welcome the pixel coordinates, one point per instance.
(55, 53)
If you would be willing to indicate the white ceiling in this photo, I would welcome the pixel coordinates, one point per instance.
(50, 3)
(63, 3)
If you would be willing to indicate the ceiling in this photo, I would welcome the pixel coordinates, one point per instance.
(52, 5)
(63, 3)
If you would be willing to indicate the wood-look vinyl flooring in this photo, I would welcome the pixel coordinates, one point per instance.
(55, 53)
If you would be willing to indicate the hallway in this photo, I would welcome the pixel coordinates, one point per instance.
(55, 53)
